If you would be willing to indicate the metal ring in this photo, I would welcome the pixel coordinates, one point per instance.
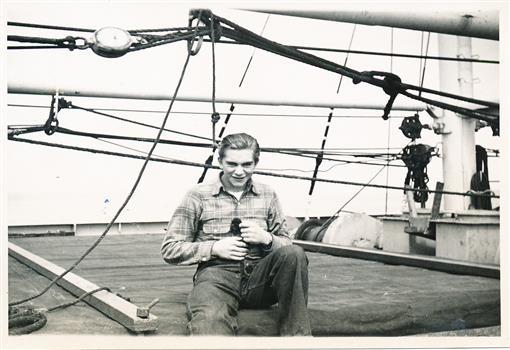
(192, 51)
(83, 46)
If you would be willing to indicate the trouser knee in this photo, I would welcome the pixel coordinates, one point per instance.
(292, 253)
(211, 319)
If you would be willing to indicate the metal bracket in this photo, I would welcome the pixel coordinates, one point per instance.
(438, 124)
(424, 226)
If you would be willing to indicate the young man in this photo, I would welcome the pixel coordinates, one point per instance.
(234, 229)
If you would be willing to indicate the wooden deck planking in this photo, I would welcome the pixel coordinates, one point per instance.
(347, 296)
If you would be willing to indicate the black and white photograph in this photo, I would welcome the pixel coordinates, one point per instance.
(254, 174)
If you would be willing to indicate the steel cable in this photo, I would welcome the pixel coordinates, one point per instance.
(286, 151)
(265, 173)
(73, 106)
(283, 115)
(373, 53)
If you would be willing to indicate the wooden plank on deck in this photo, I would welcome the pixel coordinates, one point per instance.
(426, 262)
(108, 303)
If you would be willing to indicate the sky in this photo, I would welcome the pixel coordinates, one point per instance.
(47, 185)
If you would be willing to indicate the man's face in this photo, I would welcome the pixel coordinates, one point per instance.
(238, 166)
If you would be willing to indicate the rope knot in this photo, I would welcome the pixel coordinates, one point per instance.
(51, 125)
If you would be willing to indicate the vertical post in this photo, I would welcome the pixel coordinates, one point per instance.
(468, 124)
(459, 137)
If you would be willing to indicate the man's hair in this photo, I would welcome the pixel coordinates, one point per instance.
(239, 141)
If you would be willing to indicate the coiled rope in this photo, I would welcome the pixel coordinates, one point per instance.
(25, 320)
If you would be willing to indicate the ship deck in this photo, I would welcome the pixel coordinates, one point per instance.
(347, 297)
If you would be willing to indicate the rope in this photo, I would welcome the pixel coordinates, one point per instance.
(171, 38)
(373, 53)
(320, 156)
(69, 42)
(332, 218)
(140, 31)
(27, 320)
(210, 159)
(357, 52)
(44, 26)
(340, 162)
(83, 296)
(137, 181)
(389, 82)
(253, 53)
(26, 47)
(215, 117)
(130, 138)
(318, 159)
(272, 115)
(424, 64)
(73, 106)
(389, 135)
(288, 151)
(264, 173)
(264, 169)
(346, 58)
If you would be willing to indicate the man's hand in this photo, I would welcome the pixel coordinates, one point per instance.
(231, 248)
(254, 234)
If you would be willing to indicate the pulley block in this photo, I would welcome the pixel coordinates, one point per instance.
(411, 127)
(111, 42)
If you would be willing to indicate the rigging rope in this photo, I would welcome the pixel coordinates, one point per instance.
(326, 224)
(44, 26)
(264, 173)
(210, 159)
(306, 48)
(264, 169)
(73, 106)
(373, 53)
(137, 181)
(285, 115)
(253, 53)
(388, 134)
(215, 117)
(12, 131)
(320, 156)
(422, 79)
(391, 83)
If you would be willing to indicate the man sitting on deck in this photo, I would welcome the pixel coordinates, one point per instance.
(235, 230)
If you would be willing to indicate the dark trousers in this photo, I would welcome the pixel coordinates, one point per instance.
(221, 287)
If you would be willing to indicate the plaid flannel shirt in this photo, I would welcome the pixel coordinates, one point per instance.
(205, 214)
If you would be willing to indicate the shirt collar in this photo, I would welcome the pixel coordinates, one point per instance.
(218, 186)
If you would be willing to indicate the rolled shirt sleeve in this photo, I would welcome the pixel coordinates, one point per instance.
(277, 225)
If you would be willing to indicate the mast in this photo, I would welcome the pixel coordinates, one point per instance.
(476, 23)
(458, 139)
(69, 91)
